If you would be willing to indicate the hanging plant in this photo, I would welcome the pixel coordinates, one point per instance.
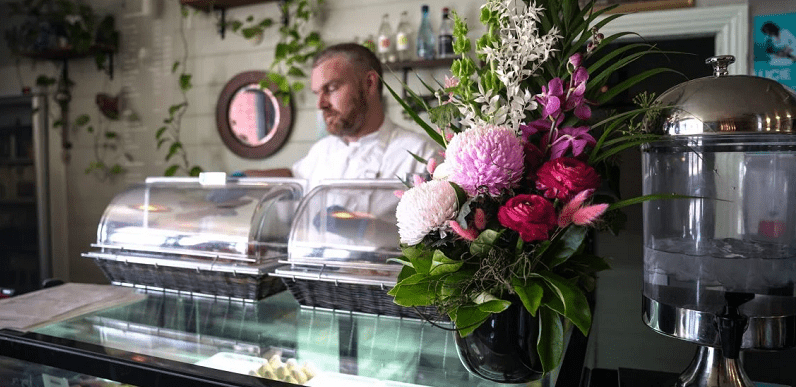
(168, 135)
(295, 47)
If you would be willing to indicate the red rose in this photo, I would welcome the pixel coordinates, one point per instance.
(530, 215)
(564, 177)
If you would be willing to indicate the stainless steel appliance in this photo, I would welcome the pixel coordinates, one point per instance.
(720, 266)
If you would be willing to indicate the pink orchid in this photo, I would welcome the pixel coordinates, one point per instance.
(398, 193)
(542, 125)
(575, 212)
(575, 60)
(575, 99)
(571, 138)
(417, 180)
(552, 98)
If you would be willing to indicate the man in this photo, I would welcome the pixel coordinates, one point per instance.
(363, 143)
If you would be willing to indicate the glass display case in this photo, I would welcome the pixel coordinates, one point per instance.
(339, 254)
(169, 339)
(209, 235)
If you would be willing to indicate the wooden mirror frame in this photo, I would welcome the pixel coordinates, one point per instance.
(278, 134)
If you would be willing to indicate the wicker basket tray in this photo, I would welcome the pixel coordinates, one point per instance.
(223, 281)
(342, 292)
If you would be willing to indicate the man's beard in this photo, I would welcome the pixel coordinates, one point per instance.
(349, 124)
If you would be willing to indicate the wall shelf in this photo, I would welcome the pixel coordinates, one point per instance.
(222, 6)
(405, 67)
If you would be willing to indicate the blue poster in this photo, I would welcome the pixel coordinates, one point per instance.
(775, 48)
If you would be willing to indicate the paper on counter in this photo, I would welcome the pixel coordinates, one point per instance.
(31, 310)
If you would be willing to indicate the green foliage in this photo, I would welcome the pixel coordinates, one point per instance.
(170, 133)
(62, 24)
(295, 47)
(106, 145)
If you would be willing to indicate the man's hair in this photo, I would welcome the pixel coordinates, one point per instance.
(355, 54)
(770, 28)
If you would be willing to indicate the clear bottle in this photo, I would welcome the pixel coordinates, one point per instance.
(384, 44)
(425, 37)
(446, 35)
(403, 45)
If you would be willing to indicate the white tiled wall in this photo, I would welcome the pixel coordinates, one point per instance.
(151, 43)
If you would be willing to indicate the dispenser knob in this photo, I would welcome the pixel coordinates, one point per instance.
(720, 64)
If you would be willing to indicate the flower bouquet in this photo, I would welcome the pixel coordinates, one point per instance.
(506, 217)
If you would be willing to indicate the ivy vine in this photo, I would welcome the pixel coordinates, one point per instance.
(169, 134)
(293, 49)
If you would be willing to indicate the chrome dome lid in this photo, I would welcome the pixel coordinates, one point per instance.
(726, 104)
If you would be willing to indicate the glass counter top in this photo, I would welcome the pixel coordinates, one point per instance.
(341, 348)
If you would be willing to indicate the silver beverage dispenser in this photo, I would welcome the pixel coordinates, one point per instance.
(720, 265)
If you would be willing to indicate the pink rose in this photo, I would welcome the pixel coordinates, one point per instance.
(564, 177)
(530, 215)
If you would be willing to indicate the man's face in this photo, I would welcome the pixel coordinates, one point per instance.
(341, 93)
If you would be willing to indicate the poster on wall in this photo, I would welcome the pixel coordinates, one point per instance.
(775, 48)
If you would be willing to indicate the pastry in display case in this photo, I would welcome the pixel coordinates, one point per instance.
(209, 235)
(340, 248)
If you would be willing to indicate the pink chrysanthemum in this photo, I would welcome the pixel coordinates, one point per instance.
(487, 158)
(424, 208)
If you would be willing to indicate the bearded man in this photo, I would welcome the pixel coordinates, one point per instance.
(363, 142)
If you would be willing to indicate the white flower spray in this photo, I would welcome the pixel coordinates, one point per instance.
(521, 50)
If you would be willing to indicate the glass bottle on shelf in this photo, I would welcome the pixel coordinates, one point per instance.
(384, 45)
(402, 36)
(425, 37)
(446, 35)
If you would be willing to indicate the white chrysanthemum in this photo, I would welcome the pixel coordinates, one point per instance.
(425, 208)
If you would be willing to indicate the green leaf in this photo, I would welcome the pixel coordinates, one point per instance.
(530, 293)
(116, 169)
(170, 171)
(494, 306)
(441, 264)
(175, 66)
(480, 246)
(430, 131)
(160, 132)
(195, 171)
(630, 82)
(566, 299)
(296, 72)
(421, 262)
(111, 135)
(161, 141)
(82, 120)
(185, 82)
(297, 86)
(415, 290)
(568, 244)
(250, 32)
(467, 318)
(550, 345)
(175, 147)
(645, 198)
(418, 158)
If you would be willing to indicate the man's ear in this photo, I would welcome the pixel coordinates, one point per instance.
(372, 82)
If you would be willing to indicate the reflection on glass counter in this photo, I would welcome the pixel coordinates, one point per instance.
(339, 348)
(14, 372)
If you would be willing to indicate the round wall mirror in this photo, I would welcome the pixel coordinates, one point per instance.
(252, 122)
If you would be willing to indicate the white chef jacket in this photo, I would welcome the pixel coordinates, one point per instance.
(378, 155)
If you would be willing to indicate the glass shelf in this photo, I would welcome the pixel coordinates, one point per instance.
(202, 336)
